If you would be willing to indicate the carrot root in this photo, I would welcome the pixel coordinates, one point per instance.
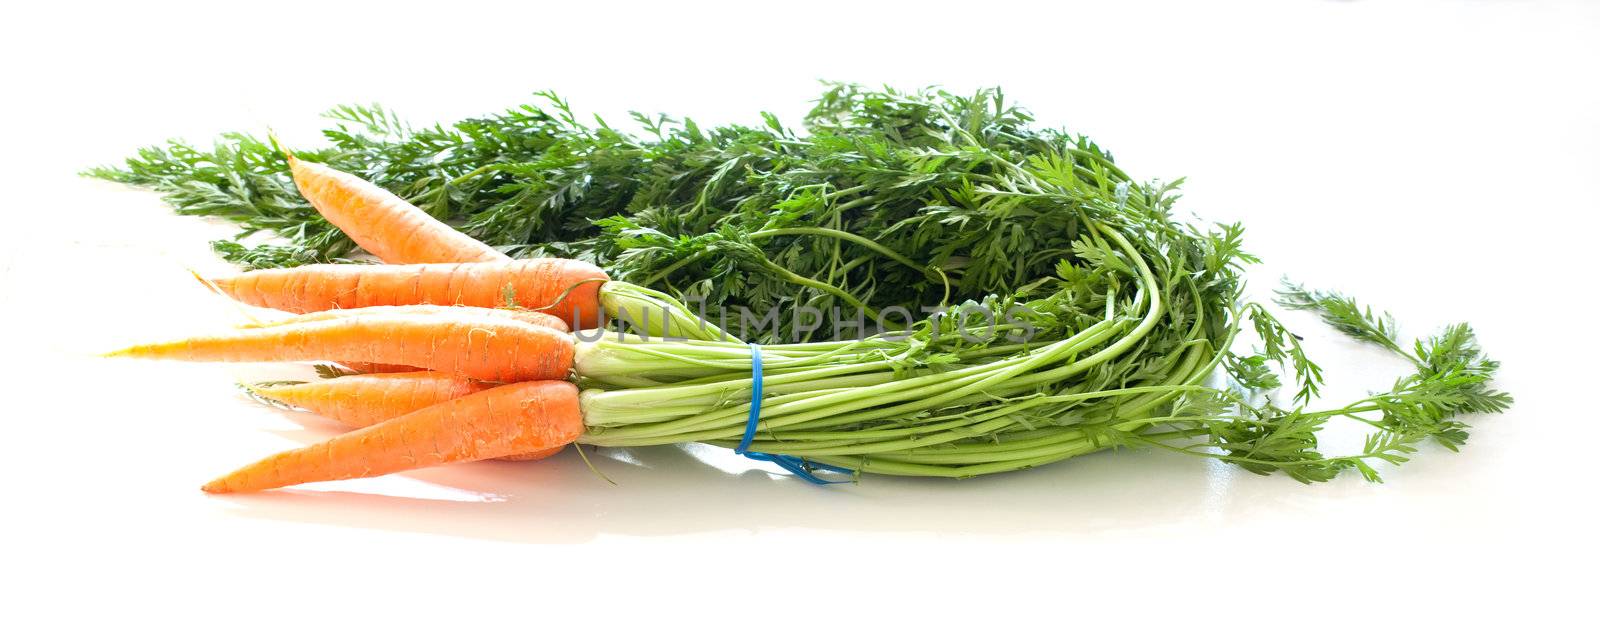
(383, 223)
(534, 456)
(506, 420)
(568, 289)
(482, 348)
(363, 400)
(359, 401)
(532, 317)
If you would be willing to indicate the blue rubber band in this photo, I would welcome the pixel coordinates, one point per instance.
(795, 465)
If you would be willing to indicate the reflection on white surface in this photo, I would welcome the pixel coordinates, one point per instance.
(410, 489)
(727, 461)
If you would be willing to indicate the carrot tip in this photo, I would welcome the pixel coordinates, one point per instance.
(137, 350)
(287, 154)
(216, 487)
(201, 278)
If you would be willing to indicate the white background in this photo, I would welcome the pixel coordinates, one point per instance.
(1437, 158)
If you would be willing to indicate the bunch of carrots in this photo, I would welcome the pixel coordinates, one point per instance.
(448, 374)
(461, 353)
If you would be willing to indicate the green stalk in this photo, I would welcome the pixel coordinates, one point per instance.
(904, 396)
(849, 237)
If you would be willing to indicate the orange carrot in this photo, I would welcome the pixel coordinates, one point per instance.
(363, 400)
(381, 222)
(507, 420)
(532, 317)
(568, 289)
(533, 456)
(481, 348)
(370, 368)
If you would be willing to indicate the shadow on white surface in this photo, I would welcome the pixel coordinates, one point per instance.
(672, 490)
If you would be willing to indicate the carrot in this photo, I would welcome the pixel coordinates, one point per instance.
(363, 400)
(568, 289)
(532, 317)
(481, 348)
(370, 368)
(507, 420)
(383, 223)
(533, 456)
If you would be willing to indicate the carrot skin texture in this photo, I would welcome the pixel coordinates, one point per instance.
(531, 317)
(479, 348)
(567, 289)
(369, 368)
(418, 309)
(383, 223)
(359, 401)
(533, 456)
(505, 420)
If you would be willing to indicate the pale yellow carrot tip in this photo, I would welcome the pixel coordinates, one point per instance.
(287, 154)
(206, 282)
(251, 319)
(202, 279)
(261, 392)
(217, 486)
(137, 350)
(157, 350)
